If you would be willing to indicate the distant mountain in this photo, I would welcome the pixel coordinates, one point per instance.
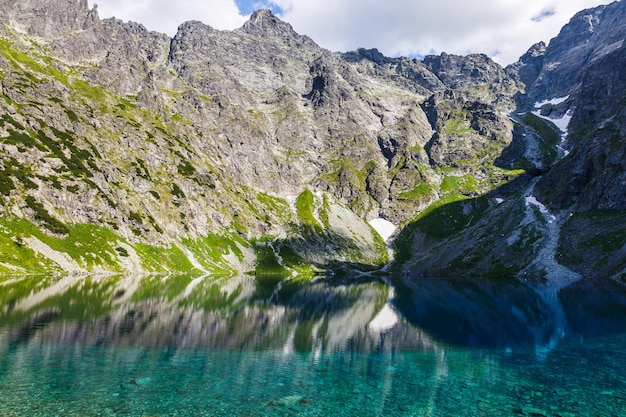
(255, 149)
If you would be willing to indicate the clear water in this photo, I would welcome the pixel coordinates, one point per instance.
(189, 346)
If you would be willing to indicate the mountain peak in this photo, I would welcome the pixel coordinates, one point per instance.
(262, 14)
(265, 24)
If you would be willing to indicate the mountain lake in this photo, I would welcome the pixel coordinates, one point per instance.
(337, 346)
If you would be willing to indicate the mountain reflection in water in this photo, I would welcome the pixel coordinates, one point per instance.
(259, 346)
(199, 313)
(250, 313)
(505, 314)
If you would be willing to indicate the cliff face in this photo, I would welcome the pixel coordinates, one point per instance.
(222, 150)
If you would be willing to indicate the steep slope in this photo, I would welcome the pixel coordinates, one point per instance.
(567, 221)
(112, 161)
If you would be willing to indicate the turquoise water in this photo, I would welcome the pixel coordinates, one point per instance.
(187, 346)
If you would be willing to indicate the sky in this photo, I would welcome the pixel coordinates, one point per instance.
(502, 29)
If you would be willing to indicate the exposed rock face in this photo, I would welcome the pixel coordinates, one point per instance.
(38, 18)
(476, 75)
(590, 35)
(594, 174)
(527, 68)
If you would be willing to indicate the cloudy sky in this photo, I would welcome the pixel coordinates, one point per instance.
(503, 29)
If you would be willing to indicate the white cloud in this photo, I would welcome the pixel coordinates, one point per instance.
(503, 30)
(166, 15)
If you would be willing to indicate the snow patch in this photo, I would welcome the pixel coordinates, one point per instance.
(554, 101)
(383, 227)
(562, 122)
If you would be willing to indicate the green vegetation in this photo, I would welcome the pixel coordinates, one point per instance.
(90, 298)
(87, 245)
(457, 126)
(452, 217)
(13, 169)
(21, 60)
(279, 208)
(594, 238)
(185, 168)
(448, 216)
(42, 215)
(305, 206)
(177, 192)
(268, 263)
(210, 251)
(421, 192)
(209, 296)
(95, 94)
(171, 259)
(466, 184)
(156, 287)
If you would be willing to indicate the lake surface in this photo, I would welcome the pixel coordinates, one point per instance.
(259, 346)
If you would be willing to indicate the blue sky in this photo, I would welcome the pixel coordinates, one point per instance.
(246, 7)
(503, 29)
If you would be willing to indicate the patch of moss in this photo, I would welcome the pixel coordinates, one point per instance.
(94, 94)
(21, 60)
(457, 126)
(278, 207)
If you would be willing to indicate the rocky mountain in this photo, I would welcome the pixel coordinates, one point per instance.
(568, 220)
(255, 149)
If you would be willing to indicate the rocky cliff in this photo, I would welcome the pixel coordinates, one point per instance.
(124, 150)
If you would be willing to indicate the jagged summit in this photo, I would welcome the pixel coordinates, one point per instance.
(264, 23)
